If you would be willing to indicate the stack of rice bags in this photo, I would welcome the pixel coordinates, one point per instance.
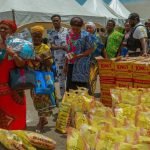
(75, 101)
(124, 127)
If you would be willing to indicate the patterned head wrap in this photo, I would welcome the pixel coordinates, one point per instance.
(91, 24)
(37, 29)
(11, 24)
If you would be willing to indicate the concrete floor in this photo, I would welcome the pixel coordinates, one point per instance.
(32, 120)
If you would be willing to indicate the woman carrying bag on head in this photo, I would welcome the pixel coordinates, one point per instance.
(43, 62)
(12, 103)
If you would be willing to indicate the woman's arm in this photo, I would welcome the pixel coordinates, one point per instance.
(18, 61)
(84, 54)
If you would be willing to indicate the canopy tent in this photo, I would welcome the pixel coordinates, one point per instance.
(28, 11)
(119, 8)
(99, 8)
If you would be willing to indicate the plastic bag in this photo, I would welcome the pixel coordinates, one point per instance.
(80, 119)
(22, 47)
(63, 120)
(22, 135)
(11, 141)
(40, 141)
(75, 140)
(90, 134)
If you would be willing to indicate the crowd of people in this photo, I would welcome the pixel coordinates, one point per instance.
(74, 52)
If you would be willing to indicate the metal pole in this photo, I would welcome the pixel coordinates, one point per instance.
(13, 15)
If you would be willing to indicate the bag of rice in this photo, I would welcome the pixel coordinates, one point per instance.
(11, 141)
(40, 141)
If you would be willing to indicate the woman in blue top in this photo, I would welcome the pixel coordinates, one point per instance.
(80, 48)
(95, 38)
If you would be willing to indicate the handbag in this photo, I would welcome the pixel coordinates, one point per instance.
(45, 84)
(22, 78)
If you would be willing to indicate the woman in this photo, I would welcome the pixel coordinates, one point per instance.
(12, 103)
(124, 49)
(91, 28)
(80, 47)
(43, 62)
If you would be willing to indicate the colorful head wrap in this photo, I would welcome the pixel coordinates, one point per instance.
(37, 29)
(91, 24)
(11, 24)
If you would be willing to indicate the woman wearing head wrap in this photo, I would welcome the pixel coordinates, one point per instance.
(12, 103)
(43, 62)
(91, 28)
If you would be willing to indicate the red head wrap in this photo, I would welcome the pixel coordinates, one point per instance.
(11, 24)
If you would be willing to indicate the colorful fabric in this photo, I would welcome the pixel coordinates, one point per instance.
(58, 38)
(37, 29)
(78, 44)
(11, 24)
(113, 42)
(42, 102)
(44, 52)
(93, 76)
(97, 45)
(12, 103)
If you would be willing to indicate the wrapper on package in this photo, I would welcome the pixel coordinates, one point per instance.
(75, 140)
(24, 48)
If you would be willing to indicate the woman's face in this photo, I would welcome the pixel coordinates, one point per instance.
(37, 38)
(5, 30)
(90, 29)
(76, 30)
(127, 27)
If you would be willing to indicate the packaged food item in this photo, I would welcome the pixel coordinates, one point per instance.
(40, 141)
(26, 143)
(80, 119)
(90, 134)
(63, 119)
(104, 145)
(11, 141)
(141, 147)
(142, 119)
(75, 140)
(22, 47)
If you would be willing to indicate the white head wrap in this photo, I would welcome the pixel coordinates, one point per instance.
(91, 24)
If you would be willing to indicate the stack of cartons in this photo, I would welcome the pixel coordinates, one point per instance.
(131, 72)
(123, 73)
(141, 74)
(107, 79)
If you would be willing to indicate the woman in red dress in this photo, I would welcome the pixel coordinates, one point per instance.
(12, 103)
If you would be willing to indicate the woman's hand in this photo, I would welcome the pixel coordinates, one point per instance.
(38, 58)
(2, 45)
(19, 61)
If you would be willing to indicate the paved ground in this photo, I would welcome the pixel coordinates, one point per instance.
(32, 119)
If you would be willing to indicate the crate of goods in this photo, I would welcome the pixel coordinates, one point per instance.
(141, 74)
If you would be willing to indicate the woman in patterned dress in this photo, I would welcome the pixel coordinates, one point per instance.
(80, 47)
(43, 62)
(91, 28)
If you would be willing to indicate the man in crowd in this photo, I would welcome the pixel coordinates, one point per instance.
(114, 40)
(137, 41)
(147, 26)
(57, 38)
